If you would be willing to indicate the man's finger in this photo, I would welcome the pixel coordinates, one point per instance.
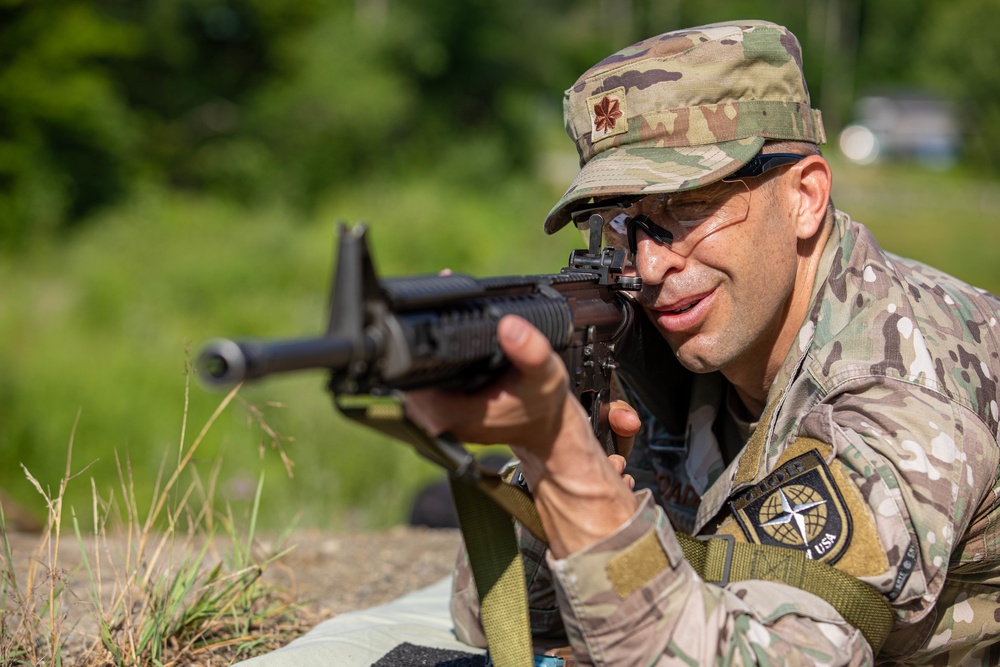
(417, 403)
(624, 419)
(526, 347)
(625, 423)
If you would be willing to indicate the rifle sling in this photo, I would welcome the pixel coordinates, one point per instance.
(719, 559)
(485, 504)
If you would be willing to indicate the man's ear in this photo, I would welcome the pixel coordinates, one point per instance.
(811, 182)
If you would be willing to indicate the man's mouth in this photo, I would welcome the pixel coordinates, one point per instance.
(683, 309)
(682, 306)
(684, 315)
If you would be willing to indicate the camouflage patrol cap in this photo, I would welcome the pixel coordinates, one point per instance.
(684, 109)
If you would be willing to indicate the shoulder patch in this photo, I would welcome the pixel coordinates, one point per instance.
(798, 506)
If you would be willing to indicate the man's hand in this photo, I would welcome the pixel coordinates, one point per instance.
(524, 407)
(580, 495)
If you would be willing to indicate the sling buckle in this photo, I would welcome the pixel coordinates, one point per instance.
(712, 555)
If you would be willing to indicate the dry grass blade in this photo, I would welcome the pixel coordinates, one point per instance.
(164, 586)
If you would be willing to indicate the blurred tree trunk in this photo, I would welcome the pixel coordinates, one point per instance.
(834, 24)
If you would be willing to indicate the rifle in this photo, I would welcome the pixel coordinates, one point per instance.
(386, 336)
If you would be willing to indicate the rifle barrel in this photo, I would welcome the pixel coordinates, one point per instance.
(224, 362)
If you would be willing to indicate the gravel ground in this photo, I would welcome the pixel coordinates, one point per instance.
(325, 573)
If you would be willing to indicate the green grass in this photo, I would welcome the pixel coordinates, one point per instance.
(947, 219)
(172, 582)
(104, 322)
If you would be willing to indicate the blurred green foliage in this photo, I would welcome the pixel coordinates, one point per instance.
(285, 100)
(66, 132)
(961, 62)
(172, 170)
(98, 97)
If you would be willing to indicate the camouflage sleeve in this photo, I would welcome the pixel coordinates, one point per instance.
(546, 622)
(633, 599)
(926, 467)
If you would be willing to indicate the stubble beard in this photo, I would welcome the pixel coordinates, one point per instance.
(734, 348)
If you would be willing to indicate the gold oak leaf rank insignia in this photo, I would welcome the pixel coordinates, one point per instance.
(798, 506)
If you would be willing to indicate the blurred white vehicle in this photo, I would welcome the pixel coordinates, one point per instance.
(902, 126)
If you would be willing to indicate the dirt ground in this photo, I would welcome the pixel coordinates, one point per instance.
(327, 574)
(340, 573)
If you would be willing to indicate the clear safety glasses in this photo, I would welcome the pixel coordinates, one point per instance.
(681, 220)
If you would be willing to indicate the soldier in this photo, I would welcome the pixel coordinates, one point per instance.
(843, 403)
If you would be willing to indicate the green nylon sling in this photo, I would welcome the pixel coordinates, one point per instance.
(486, 504)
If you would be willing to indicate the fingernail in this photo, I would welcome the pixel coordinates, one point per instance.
(514, 330)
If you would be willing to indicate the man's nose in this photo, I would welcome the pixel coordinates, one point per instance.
(655, 261)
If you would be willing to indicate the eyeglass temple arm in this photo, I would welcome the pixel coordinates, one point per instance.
(655, 232)
(762, 163)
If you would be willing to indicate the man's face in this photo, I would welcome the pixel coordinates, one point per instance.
(719, 292)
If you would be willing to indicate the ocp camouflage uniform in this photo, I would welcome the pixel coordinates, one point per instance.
(877, 453)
